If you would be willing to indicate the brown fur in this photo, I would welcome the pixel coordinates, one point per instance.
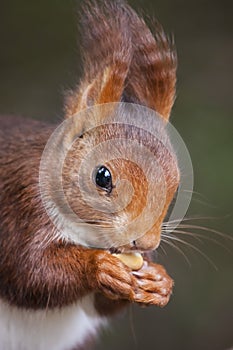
(124, 61)
(152, 75)
(107, 52)
(38, 271)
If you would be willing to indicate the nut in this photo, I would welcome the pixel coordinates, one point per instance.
(133, 260)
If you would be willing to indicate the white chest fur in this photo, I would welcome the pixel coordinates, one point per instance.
(58, 329)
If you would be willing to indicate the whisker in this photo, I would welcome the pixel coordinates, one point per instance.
(163, 249)
(191, 219)
(206, 229)
(171, 244)
(190, 234)
(204, 200)
(195, 192)
(188, 244)
(199, 236)
(92, 222)
(183, 226)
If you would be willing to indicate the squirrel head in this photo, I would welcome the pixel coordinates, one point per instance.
(120, 177)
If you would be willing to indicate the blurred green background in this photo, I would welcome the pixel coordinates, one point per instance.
(40, 58)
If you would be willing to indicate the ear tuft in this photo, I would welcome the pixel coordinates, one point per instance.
(107, 53)
(152, 76)
(123, 61)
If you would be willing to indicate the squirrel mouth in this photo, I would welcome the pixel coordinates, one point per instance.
(114, 250)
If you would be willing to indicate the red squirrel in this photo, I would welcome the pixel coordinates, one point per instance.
(55, 292)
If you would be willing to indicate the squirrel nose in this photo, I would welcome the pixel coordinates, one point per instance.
(149, 241)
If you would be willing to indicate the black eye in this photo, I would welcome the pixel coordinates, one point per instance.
(103, 178)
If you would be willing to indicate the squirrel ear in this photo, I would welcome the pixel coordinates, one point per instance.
(155, 62)
(107, 87)
(123, 61)
(107, 53)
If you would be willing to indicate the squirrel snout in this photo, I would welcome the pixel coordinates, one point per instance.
(149, 241)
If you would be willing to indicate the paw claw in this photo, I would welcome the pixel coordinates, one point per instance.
(154, 285)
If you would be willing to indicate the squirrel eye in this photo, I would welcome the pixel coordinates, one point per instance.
(103, 178)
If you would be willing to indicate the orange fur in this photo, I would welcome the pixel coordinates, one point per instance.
(123, 61)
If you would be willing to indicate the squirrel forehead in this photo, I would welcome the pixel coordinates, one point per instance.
(118, 146)
(124, 132)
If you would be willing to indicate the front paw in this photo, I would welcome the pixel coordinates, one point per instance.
(154, 285)
(113, 278)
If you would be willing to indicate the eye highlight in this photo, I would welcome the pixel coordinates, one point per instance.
(103, 178)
